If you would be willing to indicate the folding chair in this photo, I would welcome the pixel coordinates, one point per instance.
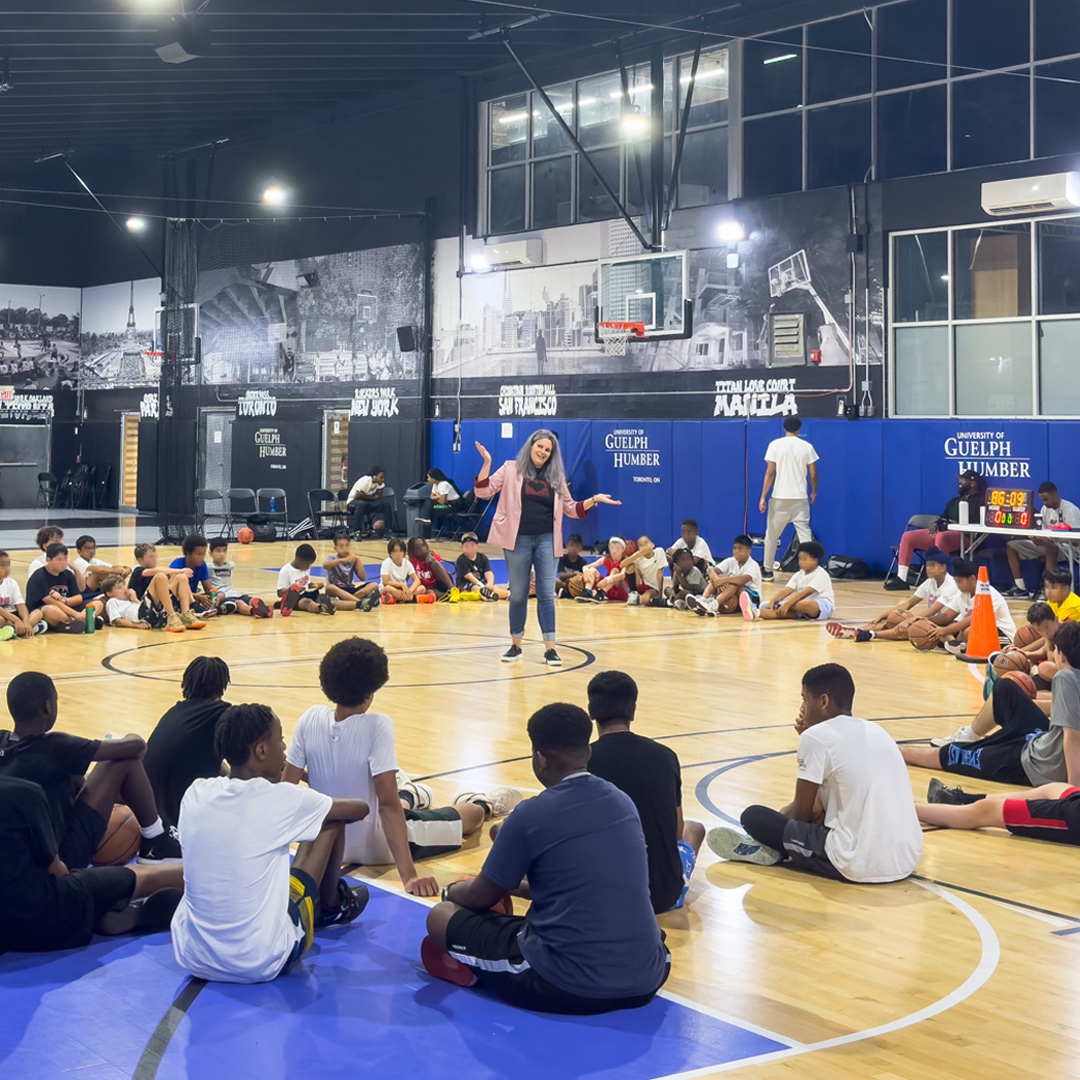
(317, 498)
(916, 521)
(239, 505)
(203, 513)
(461, 521)
(46, 492)
(273, 502)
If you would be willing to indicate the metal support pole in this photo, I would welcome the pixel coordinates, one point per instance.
(656, 158)
(684, 123)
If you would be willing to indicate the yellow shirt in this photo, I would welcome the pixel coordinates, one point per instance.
(1069, 608)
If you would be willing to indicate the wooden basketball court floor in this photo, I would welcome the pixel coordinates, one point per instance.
(968, 969)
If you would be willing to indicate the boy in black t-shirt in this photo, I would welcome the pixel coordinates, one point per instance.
(54, 591)
(80, 813)
(649, 773)
(570, 563)
(474, 573)
(179, 579)
(44, 905)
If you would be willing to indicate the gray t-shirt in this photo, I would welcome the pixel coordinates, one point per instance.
(1043, 757)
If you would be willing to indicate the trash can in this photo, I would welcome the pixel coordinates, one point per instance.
(415, 497)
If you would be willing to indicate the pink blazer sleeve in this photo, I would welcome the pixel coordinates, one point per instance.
(492, 485)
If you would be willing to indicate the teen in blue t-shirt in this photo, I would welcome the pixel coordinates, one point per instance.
(579, 843)
(194, 559)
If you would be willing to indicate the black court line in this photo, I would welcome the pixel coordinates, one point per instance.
(587, 659)
(1005, 900)
(154, 1052)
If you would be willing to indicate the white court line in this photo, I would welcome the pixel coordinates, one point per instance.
(988, 962)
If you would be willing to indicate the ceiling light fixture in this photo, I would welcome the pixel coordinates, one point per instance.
(731, 231)
(184, 39)
(135, 224)
(634, 124)
(781, 59)
(275, 195)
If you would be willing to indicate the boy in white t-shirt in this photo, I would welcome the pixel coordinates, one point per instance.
(93, 569)
(788, 461)
(645, 571)
(348, 752)
(299, 590)
(734, 584)
(808, 593)
(938, 592)
(230, 600)
(46, 535)
(853, 816)
(689, 537)
(246, 916)
(400, 584)
(955, 634)
(154, 612)
(15, 619)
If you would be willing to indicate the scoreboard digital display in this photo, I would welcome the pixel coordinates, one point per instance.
(1010, 508)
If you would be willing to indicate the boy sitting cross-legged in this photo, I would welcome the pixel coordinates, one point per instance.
(246, 916)
(474, 574)
(347, 751)
(645, 574)
(299, 591)
(734, 584)
(809, 591)
(55, 592)
(938, 592)
(604, 578)
(589, 943)
(16, 620)
(346, 579)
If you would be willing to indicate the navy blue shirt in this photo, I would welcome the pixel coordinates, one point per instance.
(590, 930)
(199, 573)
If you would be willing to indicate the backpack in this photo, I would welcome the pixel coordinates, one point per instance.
(846, 568)
(263, 528)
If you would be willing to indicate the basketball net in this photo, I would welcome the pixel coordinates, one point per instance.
(983, 635)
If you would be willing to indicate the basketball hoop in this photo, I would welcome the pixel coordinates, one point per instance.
(615, 336)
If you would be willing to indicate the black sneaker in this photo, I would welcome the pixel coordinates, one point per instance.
(896, 585)
(227, 607)
(599, 597)
(160, 849)
(352, 899)
(511, 654)
(552, 658)
(766, 575)
(937, 792)
(369, 601)
(1015, 592)
(326, 605)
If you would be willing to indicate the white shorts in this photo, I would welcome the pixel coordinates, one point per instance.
(1028, 549)
(825, 610)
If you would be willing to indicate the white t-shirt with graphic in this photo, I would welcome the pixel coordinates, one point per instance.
(817, 579)
(10, 594)
(1002, 614)
(290, 575)
(791, 456)
(946, 594)
(731, 567)
(874, 833)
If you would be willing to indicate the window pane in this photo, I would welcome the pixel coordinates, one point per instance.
(772, 73)
(710, 101)
(992, 272)
(921, 277)
(508, 129)
(1059, 267)
(912, 130)
(551, 193)
(1057, 105)
(839, 144)
(601, 107)
(703, 172)
(1057, 29)
(989, 34)
(772, 155)
(1059, 367)
(633, 199)
(593, 202)
(993, 370)
(912, 35)
(838, 58)
(548, 136)
(507, 199)
(990, 120)
(921, 370)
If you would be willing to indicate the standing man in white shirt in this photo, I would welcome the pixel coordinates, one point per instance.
(788, 461)
(367, 500)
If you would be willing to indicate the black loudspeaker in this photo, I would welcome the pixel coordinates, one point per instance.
(406, 338)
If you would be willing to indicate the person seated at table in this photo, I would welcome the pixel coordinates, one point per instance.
(970, 488)
(1056, 511)
(367, 502)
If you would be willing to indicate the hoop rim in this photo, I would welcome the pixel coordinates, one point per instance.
(636, 329)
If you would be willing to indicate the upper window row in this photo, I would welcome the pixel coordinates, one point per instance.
(910, 42)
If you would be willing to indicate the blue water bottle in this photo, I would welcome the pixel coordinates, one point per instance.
(273, 505)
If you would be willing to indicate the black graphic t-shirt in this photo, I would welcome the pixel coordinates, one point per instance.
(537, 508)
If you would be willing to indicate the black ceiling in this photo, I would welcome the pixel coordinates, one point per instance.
(84, 75)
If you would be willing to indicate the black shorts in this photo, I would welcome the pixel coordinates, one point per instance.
(152, 612)
(85, 828)
(487, 943)
(1057, 820)
(997, 757)
(305, 907)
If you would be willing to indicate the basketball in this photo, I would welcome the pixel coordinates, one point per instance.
(919, 634)
(1011, 660)
(576, 585)
(245, 535)
(504, 905)
(1026, 635)
(121, 840)
(631, 547)
(1023, 680)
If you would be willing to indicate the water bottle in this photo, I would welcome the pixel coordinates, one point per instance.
(91, 620)
(273, 505)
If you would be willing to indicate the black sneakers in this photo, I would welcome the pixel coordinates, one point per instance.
(352, 899)
(937, 792)
(160, 849)
(142, 916)
(511, 654)
(552, 658)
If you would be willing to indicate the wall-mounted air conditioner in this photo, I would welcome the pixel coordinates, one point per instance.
(1032, 194)
(515, 253)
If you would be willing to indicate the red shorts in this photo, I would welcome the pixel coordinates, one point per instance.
(618, 592)
(1046, 819)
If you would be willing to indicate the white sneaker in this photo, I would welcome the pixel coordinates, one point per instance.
(420, 794)
(679, 605)
(500, 800)
(839, 630)
(736, 846)
(961, 734)
(633, 599)
(698, 605)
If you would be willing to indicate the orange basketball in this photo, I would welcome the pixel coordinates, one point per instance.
(919, 634)
(1026, 635)
(1011, 660)
(245, 535)
(121, 840)
(504, 906)
(631, 547)
(1023, 680)
(576, 585)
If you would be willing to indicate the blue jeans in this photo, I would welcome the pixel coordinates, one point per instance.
(532, 553)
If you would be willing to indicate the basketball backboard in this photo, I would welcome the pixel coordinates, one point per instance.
(651, 289)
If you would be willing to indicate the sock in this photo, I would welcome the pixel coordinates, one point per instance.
(902, 572)
(872, 633)
(1019, 583)
(152, 830)
(967, 731)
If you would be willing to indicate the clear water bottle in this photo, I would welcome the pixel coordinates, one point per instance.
(273, 505)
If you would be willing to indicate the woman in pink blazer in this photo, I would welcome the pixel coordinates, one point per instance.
(528, 527)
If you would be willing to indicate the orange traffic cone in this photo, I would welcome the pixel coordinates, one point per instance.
(983, 633)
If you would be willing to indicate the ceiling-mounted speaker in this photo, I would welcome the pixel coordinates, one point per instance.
(183, 40)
